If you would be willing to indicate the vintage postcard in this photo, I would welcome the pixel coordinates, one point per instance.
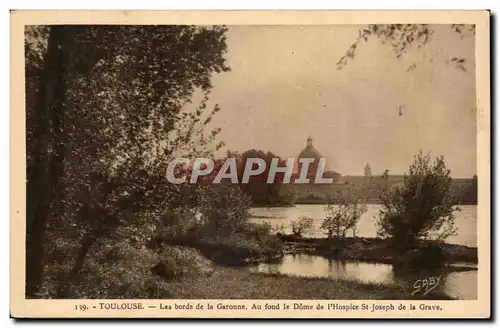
(250, 164)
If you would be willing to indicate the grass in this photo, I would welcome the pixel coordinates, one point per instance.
(187, 274)
(239, 248)
(234, 283)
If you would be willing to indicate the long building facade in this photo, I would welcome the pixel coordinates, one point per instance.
(368, 185)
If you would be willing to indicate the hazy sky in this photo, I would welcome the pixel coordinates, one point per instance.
(284, 85)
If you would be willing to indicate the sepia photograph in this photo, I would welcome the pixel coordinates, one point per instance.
(273, 163)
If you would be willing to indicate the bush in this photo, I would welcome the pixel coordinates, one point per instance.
(109, 270)
(177, 222)
(223, 208)
(219, 227)
(423, 208)
(343, 216)
(302, 226)
(118, 270)
(181, 262)
(174, 263)
(253, 242)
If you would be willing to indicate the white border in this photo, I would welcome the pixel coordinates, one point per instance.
(200, 4)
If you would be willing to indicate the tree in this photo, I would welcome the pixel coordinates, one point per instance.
(108, 113)
(422, 208)
(224, 208)
(50, 63)
(261, 192)
(343, 216)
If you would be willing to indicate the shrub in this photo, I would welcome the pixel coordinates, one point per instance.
(302, 226)
(178, 222)
(223, 208)
(174, 263)
(279, 229)
(343, 216)
(422, 208)
(119, 270)
(109, 270)
(177, 262)
(218, 226)
(252, 242)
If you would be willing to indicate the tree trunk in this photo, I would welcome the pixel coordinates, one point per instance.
(48, 153)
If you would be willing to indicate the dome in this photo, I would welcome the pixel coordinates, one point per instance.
(310, 151)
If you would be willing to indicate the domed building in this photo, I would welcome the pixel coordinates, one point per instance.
(312, 153)
(309, 152)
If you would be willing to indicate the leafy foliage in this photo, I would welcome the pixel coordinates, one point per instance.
(106, 111)
(224, 208)
(302, 226)
(423, 208)
(117, 270)
(261, 192)
(402, 38)
(343, 216)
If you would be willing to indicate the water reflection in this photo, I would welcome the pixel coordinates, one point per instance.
(460, 285)
(466, 221)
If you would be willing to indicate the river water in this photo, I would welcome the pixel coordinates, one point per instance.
(460, 285)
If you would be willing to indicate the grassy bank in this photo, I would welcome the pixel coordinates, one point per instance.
(244, 250)
(380, 250)
(177, 272)
(231, 283)
(237, 249)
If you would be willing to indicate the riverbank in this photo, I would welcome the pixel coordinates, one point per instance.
(236, 250)
(240, 283)
(380, 251)
(241, 251)
(219, 281)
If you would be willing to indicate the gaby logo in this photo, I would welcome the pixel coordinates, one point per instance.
(203, 167)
